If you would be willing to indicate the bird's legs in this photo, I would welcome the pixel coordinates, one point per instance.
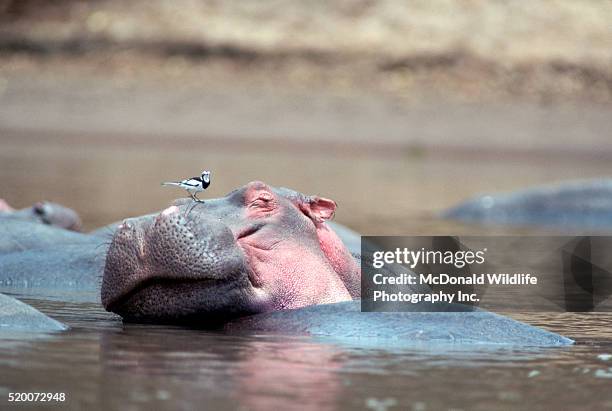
(195, 198)
(196, 201)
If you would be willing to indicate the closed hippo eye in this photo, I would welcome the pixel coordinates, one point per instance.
(264, 202)
(259, 203)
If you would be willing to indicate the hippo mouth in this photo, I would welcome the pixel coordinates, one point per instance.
(162, 300)
(170, 268)
(139, 290)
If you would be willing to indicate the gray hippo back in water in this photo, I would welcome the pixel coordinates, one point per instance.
(17, 316)
(260, 258)
(36, 256)
(425, 324)
(583, 204)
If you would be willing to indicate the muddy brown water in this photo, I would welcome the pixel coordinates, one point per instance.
(101, 363)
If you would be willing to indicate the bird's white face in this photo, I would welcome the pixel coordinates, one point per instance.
(206, 176)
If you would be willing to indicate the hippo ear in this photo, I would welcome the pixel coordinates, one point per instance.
(318, 209)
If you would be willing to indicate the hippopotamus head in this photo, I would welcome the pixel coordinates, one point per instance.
(56, 215)
(256, 249)
(44, 212)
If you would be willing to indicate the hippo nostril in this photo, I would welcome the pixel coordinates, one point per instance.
(126, 225)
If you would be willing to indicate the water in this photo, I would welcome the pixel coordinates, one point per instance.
(102, 363)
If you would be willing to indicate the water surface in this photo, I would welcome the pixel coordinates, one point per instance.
(101, 363)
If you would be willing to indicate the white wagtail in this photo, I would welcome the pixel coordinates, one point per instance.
(193, 185)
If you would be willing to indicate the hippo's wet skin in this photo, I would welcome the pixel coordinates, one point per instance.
(449, 324)
(35, 255)
(17, 316)
(260, 258)
(20, 235)
(582, 205)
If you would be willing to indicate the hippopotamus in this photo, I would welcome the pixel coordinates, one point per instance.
(255, 250)
(44, 212)
(35, 255)
(40, 252)
(581, 204)
(260, 258)
(36, 227)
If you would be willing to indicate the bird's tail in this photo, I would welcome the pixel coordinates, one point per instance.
(171, 183)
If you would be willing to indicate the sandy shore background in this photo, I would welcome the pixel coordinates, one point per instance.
(474, 49)
(417, 104)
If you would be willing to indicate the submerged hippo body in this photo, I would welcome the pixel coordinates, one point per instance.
(583, 204)
(54, 270)
(449, 324)
(21, 235)
(36, 256)
(18, 316)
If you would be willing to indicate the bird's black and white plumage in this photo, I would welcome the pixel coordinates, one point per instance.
(193, 185)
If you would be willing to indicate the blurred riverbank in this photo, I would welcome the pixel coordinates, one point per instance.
(412, 105)
(479, 50)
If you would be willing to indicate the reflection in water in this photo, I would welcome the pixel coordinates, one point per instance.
(309, 369)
